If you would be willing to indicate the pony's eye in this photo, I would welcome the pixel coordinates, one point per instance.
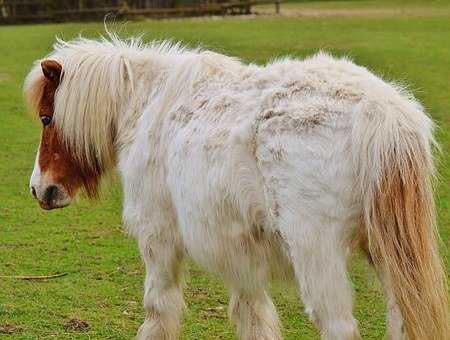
(46, 120)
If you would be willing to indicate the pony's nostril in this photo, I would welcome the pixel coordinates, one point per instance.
(50, 194)
(33, 192)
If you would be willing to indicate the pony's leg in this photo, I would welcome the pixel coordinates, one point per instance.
(247, 276)
(254, 315)
(163, 296)
(318, 253)
(394, 324)
(395, 329)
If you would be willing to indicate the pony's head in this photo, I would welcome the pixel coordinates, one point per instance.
(77, 94)
(58, 172)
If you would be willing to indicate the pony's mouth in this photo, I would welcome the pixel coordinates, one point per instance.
(50, 206)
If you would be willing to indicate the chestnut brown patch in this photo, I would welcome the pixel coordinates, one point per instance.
(55, 155)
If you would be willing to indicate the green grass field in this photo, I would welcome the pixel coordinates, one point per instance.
(103, 285)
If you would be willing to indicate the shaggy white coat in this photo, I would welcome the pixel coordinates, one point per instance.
(255, 172)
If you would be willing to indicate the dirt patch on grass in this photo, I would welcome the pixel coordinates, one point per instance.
(76, 325)
(8, 328)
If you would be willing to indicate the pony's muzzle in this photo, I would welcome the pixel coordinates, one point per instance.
(51, 197)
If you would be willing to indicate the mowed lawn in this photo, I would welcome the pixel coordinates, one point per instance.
(103, 286)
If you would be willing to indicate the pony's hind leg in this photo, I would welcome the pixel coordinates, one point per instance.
(395, 328)
(163, 296)
(394, 323)
(318, 252)
(254, 315)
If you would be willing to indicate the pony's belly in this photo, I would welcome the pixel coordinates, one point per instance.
(214, 244)
(236, 252)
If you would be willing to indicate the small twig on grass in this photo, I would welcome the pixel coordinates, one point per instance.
(33, 277)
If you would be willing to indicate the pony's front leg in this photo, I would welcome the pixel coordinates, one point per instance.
(163, 297)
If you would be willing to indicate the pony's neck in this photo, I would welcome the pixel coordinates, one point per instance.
(148, 77)
(161, 80)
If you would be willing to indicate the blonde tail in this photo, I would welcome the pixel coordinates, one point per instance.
(394, 165)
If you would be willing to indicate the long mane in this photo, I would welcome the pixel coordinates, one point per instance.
(96, 84)
(99, 78)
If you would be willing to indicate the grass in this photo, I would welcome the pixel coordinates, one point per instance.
(359, 8)
(104, 282)
(352, 4)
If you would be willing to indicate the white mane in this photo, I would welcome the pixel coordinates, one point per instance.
(98, 80)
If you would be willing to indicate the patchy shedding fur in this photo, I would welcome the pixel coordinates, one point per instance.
(257, 173)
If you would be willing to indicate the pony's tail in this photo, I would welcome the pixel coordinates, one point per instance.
(394, 165)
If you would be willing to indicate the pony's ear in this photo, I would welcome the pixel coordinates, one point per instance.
(51, 69)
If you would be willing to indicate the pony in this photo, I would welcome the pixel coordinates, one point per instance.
(256, 172)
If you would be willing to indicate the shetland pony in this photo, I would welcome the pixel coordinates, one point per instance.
(255, 172)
